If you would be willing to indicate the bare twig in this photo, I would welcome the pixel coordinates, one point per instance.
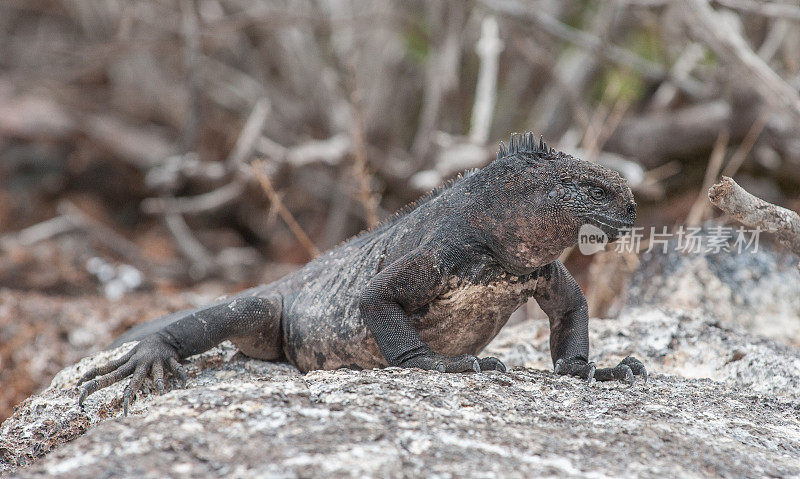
(330, 151)
(700, 206)
(489, 47)
(654, 137)
(441, 76)
(644, 3)
(604, 121)
(195, 204)
(118, 243)
(755, 212)
(774, 39)
(191, 34)
(613, 53)
(766, 9)
(143, 148)
(33, 116)
(456, 154)
(706, 24)
(38, 232)
(534, 54)
(229, 87)
(271, 149)
(738, 157)
(681, 69)
(257, 168)
(661, 172)
(612, 121)
(250, 133)
(202, 262)
(171, 174)
(360, 166)
(341, 200)
(172, 208)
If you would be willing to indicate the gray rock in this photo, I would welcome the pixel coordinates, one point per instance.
(757, 290)
(683, 343)
(734, 413)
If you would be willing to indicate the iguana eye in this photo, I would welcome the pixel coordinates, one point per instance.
(597, 193)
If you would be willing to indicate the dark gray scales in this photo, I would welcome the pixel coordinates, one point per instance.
(429, 288)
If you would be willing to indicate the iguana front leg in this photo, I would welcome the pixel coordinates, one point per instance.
(560, 296)
(198, 331)
(406, 285)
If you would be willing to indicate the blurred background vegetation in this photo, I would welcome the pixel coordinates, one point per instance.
(149, 145)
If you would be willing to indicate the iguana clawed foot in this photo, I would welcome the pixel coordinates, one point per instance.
(151, 356)
(455, 364)
(626, 371)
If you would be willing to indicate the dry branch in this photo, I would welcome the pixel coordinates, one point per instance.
(38, 232)
(612, 53)
(118, 243)
(708, 25)
(442, 75)
(202, 262)
(755, 212)
(560, 87)
(143, 148)
(158, 87)
(654, 137)
(330, 151)
(766, 9)
(202, 203)
(191, 34)
(488, 48)
(275, 200)
(738, 157)
(360, 166)
(250, 133)
(700, 207)
(683, 66)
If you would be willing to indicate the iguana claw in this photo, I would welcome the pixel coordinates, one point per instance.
(637, 368)
(626, 371)
(491, 364)
(575, 367)
(151, 356)
(455, 364)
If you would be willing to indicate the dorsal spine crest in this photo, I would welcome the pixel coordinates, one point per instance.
(523, 143)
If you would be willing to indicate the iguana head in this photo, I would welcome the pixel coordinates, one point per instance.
(539, 198)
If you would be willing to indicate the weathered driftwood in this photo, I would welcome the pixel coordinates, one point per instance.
(755, 212)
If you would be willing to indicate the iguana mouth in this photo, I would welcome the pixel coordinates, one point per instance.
(606, 223)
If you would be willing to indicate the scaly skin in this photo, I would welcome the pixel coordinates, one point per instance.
(428, 289)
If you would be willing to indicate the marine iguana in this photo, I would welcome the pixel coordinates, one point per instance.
(429, 288)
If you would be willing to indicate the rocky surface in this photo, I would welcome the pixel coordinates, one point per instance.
(40, 334)
(758, 290)
(241, 417)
